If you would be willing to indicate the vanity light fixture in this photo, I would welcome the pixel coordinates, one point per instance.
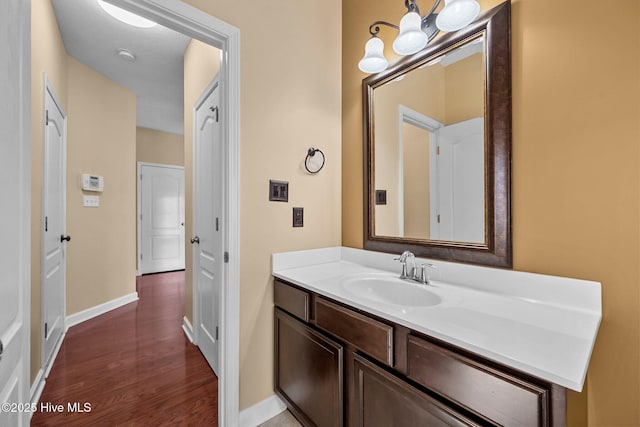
(126, 16)
(416, 31)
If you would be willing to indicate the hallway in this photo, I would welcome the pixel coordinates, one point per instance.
(133, 366)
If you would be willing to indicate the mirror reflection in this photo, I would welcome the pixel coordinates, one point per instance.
(429, 146)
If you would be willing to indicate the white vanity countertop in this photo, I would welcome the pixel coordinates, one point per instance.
(543, 325)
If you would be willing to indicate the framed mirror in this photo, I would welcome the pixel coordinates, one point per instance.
(437, 139)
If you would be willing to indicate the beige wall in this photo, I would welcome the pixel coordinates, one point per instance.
(290, 100)
(576, 165)
(153, 146)
(464, 89)
(47, 56)
(201, 64)
(101, 260)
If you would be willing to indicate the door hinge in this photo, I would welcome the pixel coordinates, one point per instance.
(46, 329)
(46, 223)
(226, 257)
(438, 150)
(215, 110)
(216, 333)
(140, 177)
(140, 256)
(46, 117)
(217, 224)
(438, 218)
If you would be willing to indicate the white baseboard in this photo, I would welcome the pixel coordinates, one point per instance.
(261, 412)
(37, 387)
(187, 328)
(54, 354)
(92, 312)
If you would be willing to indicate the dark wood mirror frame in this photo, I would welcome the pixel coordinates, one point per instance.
(496, 251)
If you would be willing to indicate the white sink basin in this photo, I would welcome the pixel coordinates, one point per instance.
(390, 290)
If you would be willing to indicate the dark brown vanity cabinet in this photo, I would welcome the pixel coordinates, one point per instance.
(336, 365)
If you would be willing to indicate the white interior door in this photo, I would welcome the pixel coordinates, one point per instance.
(53, 224)
(207, 242)
(14, 210)
(161, 218)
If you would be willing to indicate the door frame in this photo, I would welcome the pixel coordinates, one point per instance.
(195, 23)
(48, 88)
(139, 206)
(19, 126)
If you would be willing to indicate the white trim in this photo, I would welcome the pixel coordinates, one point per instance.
(24, 183)
(37, 387)
(188, 329)
(54, 354)
(193, 22)
(415, 118)
(139, 207)
(90, 313)
(262, 411)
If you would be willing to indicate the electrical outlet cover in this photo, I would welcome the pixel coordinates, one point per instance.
(91, 201)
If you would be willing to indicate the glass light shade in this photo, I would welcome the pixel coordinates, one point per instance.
(411, 38)
(457, 14)
(373, 60)
(126, 16)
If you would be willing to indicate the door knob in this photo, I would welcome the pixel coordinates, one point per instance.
(195, 240)
(63, 238)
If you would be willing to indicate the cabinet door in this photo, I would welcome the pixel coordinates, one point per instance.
(384, 400)
(308, 372)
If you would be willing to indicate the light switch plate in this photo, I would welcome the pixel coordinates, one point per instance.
(278, 191)
(90, 201)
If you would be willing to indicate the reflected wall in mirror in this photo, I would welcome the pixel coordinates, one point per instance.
(438, 144)
(429, 145)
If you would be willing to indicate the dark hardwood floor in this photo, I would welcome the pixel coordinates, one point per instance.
(133, 366)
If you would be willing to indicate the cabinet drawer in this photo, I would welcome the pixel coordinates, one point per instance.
(291, 299)
(496, 396)
(371, 336)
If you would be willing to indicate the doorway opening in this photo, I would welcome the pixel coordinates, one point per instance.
(206, 29)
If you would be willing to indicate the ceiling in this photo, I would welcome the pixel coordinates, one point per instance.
(93, 37)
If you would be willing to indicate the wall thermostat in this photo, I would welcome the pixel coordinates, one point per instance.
(92, 182)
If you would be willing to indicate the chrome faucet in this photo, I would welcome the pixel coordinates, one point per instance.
(410, 271)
